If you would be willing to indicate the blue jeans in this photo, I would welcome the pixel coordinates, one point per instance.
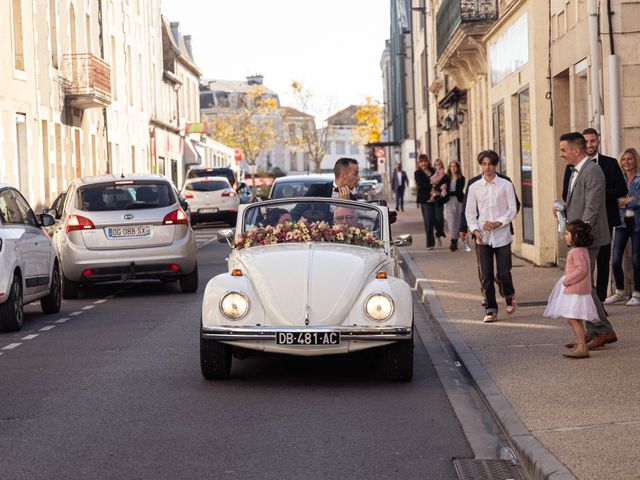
(619, 245)
(428, 217)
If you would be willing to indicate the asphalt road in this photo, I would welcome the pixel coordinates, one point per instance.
(116, 392)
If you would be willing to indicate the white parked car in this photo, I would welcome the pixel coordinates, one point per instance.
(121, 228)
(326, 284)
(211, 199)
(29, 268)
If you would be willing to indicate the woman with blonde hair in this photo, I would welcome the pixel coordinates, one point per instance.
(629, 227)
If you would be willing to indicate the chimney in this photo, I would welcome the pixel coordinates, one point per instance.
(187, 43)
(175, 30)
(255, 79)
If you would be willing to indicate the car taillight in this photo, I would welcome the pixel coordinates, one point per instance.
(188, 195)
(177, 217)
(229, 193)
(77, 222)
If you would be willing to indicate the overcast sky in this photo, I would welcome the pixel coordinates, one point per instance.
(332, 46)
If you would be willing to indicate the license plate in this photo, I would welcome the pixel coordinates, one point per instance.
(308, 338)
(208, 210)
(128, 232)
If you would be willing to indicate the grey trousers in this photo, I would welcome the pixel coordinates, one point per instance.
(604, 326)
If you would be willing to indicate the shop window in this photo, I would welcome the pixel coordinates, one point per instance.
(526, 170)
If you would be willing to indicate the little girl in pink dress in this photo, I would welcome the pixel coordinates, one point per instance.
(571, 297)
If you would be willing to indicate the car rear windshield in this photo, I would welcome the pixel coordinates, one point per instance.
(125, 196)
(207, 186)
(212, 172)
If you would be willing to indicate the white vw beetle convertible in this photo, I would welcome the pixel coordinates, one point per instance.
(309, 277)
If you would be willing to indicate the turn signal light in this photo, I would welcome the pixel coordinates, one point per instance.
(177, 217)
(77, 222)
(236, 272)
(381, 275)
(229, 193)
(89, 272)
(188, 195)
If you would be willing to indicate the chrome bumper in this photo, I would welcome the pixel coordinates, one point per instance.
(374, 334)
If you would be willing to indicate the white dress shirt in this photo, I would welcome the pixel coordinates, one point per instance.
(493, 201)
(576, 171)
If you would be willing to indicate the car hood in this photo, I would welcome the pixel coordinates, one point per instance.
(312, 281)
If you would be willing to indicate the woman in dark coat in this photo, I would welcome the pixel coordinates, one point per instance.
(423, 197)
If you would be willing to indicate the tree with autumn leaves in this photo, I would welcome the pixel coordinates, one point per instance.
(369, 118)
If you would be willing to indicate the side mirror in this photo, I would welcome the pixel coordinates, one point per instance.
(403, 240)
(226, 235)
(183, 203)
(46, 219)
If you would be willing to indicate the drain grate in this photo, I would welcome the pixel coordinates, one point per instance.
(489, 469)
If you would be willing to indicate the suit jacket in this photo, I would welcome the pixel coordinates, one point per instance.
(577, 278)
(586, 201)
(394, 180)
(324, 190)
(615, 187)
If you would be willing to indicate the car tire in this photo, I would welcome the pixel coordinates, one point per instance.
(12, 310)
(215, 359)
(399, 361)
(51, 303)
(70, 289)
(189, 282)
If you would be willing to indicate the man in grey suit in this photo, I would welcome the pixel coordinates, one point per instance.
(586, 201)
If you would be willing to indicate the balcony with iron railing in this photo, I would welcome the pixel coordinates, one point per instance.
(457, 18)
(87, 81)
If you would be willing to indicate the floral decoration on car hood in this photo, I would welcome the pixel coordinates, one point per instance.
(304, 231)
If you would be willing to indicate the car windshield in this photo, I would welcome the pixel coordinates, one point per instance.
(334, 221)
(207, 185)
(124, 196)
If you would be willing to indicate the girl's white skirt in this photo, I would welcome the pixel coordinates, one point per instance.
(561, 304)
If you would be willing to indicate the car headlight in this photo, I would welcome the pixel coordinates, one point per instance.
(378, 306)
(234, 305)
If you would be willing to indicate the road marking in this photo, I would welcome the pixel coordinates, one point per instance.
(88, 307)
(29, 337)
(11, 346)
(102, 300)
(62, 320)
(47, 328)
(75, 314)
(109, 297)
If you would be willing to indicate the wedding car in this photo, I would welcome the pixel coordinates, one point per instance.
(309, 277)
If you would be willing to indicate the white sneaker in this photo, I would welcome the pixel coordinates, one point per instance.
(633, 302)
(615, 298)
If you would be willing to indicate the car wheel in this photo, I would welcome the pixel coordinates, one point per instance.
(215, 359)
(189, 283)
(51, 303)
(399, 361)
(70, 290)
(12, 311)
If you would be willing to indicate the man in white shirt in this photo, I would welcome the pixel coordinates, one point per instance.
(491, 206)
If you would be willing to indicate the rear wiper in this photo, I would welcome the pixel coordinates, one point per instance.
(130, 206)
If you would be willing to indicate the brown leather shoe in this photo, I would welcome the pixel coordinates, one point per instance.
(587, 339)
(579, 351)
(602, 339)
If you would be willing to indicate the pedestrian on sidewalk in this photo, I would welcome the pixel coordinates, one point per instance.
(571, 296)
(439, 181)
(453, 198)
(423, 197)
(629, 228)
(586, 201)
(615, 188)
(399, 182)
(490, 208)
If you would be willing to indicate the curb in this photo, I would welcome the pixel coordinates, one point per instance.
(537, 461)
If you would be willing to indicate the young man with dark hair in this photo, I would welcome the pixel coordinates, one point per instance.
(490, 208)
(615, 187)
(585, 200)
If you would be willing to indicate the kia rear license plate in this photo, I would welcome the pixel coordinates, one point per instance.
(129, 231)
(308, 338)
(208, 210)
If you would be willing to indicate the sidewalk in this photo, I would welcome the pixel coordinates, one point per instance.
(562, 417)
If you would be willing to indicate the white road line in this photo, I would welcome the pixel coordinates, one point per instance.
(11, 346)
(75, 314)
(29, 337)
(62, 320)
(47, 328)
(102, 300)
(109, 297)
(88, 307)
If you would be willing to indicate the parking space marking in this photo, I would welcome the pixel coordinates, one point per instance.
(62, 320)
(75, 314)
(88, 307)
(29, 337)
(47, 328)
(11, 346)
(102, 300)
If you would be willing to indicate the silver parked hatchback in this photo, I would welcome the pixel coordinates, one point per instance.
(120, 228)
